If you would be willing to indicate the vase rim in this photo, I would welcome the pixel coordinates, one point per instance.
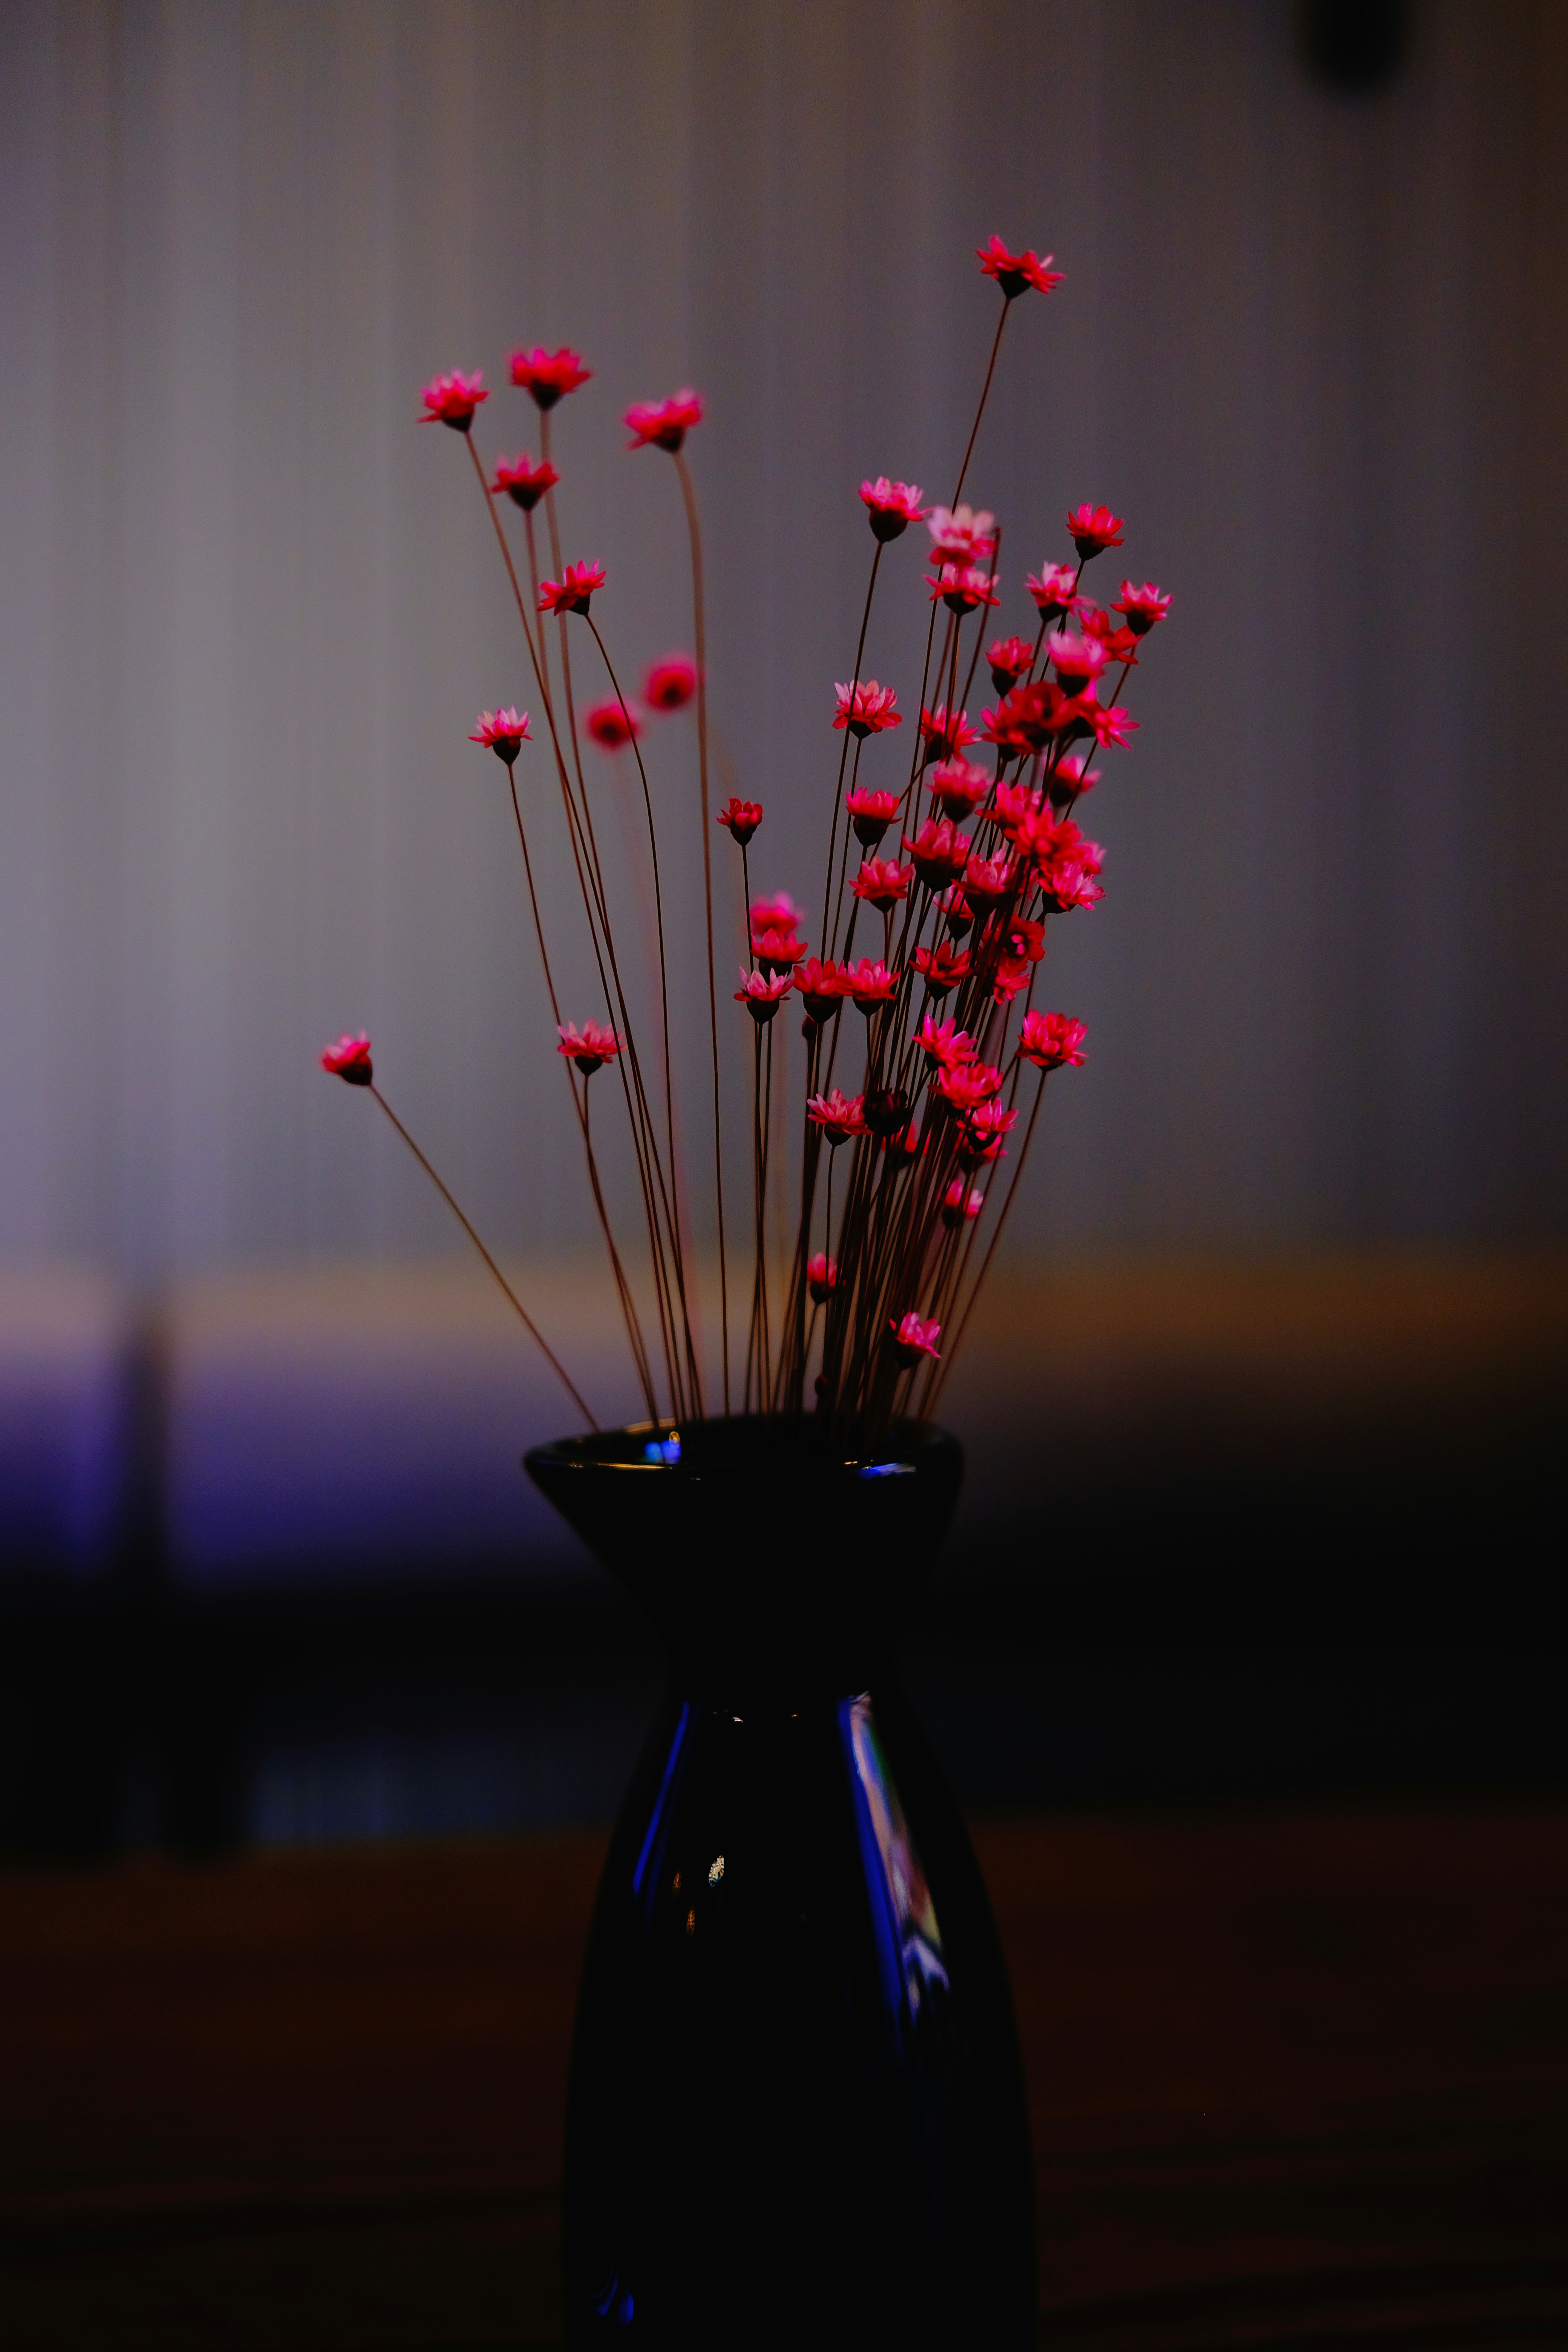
(684, 1449)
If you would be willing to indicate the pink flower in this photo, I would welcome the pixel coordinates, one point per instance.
(1093, 529)
(839, 1115)
(775, 914)
(958, 786)
(912, 1340)
(349, 1059)
(941, 968)
(1015, 271)
(612, 727)
(1027, 718)
(670, 683)
(987, 879)
(1033, 831)
(574, 593)
(452, 399)
(775, 948)
(959, 1205)
(1073, 776)
(1010, 659)
(1025, 938)
(761, 992)
(882, 881)
(980, 1136)
(591, 1047)
(821, 986)
(870, 984)
(1051, 1040)
(1009, 978)
(945, 734)
(940, 852)
(548, 375)
(961, 535)
(524, 482)
(966, 1085)
(956, 912)
(1068, 877)
(506, 731)
(1120, 645)
(963, 587)
(743, 817)
(1077, 661)
(1110, 724)
(1015, 802)
(871, 814)
(1053, 588)
(664, 424)
(866, 708)
(821, 1276)
(893, 506)
(1143, 606)
(944, 1044)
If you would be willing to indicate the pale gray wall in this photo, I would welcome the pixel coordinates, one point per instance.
(1315, 349)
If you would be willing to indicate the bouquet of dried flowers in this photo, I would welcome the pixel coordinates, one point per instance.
(925, 1051)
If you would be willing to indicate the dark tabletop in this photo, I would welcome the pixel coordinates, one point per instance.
(1297, 2080)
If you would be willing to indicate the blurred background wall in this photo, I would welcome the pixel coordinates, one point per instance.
(1314, 347)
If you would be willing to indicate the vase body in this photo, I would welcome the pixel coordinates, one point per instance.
(796, 2111)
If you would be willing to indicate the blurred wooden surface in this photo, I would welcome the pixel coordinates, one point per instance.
(1296, 2080)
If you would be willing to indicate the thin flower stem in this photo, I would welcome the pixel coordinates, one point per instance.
(984, 397)
(843, 748)
(935, 1390)
(699, 634)
(529, 1325)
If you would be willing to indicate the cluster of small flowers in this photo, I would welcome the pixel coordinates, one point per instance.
(988, 849)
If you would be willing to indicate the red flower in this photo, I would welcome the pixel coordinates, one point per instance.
(866, 708)
(987, 879)
(944, 1044)
(670, 683)
(1025, 938)
(980, 1137)
(956, 910)
(893, 506)
(548, 375)
(1051, 1040)
(963, 587)
(1077, 661)
(1009, 978)
(958, 786)
(349, 1059)
(1143, 606)
(945, 734)
(940, 852)
(871, 814)
(961, 535)
(743, 817)
(506, 731)
(1016, 804)
(761, 992)
(912, 1340)
(612, 727)
(591, 1047)
(1027, 718)
(821, 986)
(1073, 776)
(1015, 271)
(1010, 659)
(941, 968)
(1068, 876)
(775, 948)
(882, 881)
(664, 424)
(452, 399)
(965, 1085)
(1120, 645)
(1093, 529)
(524, 482)
(959, 1205)
(777, 914)
(821, 1276)
(1109, 724)
(574, 593)
(870, 984)
(839, 1115)
(1053, 588)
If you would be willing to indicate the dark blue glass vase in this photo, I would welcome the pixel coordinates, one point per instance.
(796, 2111)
